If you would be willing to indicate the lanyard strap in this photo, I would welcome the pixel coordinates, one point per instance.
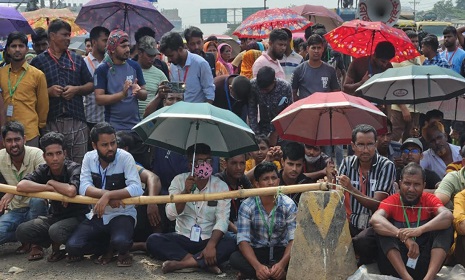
(226, 91)
(90, 63)
(185, 74)
(269, 227)
(406, 217)
(452, 56)
(363, 183)
(13, 90)
(73, 67)
(104, 176)
(18, 176)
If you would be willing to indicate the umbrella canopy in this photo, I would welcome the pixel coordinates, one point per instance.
(43, 17)
(359, 38)
(127, 15)
(183, 124)
(320, 14)
(413, 85)
(12, 20)
(449, 107)
(327, 118)
(260, 24)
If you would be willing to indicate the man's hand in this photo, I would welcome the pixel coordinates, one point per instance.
(190, 181)
(115, 203)
(153, 214)
(277, 271)
(163, 90)
(69, 92)
(6, 199)
(406, 233)
(209, 254)
(55, 91)
(365, 77)
(262, 272)
(413, 249)
(99, 207)
(344, 181)
(406, 114)
(274, 154)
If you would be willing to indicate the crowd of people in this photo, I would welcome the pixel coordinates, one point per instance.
(67, 128)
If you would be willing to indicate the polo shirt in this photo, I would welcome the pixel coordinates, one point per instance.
(289, 63)
(153, 78)
(266, 60)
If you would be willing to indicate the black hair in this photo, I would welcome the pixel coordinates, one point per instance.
(241, 87)
(223, 48)
(288, 32)
(192, 31)
(317, 26)
(362, 128)
(101, 128)
(200, 148)
(385, 50)
(228, 158)
(434, 114)
(413, 168)
(96, 31)
(320, 31)
(211, 38)
(16, 35)
(262, 138)
(124, 139)
(252, 46)
(52, 138)
(13, 126)
(87, 40)
(308, 32)
(265, 77)
(294, 151)
(431, 41)
(172, 41)
(411, 34)
(58, 24)
(144, 31)
(450, 30)
(278, 35)
(264, 167)
(297, 42)
(40, 34)
(315, 39)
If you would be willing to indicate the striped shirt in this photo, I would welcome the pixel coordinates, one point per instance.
(381, 177)
(251, 227)
(94, 113)
(289, 63)
(438, 60)
(153, 77)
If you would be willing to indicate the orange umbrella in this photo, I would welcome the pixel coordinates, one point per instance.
(43, 17)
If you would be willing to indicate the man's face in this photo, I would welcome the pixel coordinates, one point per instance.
(122, 51)
(54, 157)
(172, 98)
(380, 62)
(415, 42)
(384, 140)
(260, 155)
(106, 147)
(61, 38)
(364, 146)
(88, 47)
(438, 142)
(195, 45)
(14, 143)
(145, 60)
(17, 50)
(292, 168)
(268, 89)
(312, 151)
(40, 46)
(411, 153)
(426, 49)
(411, 188)
(235, 166)
(101, 43)
(278, 48)
(200, 158)
(269, 179)
(173, 56)
(315, 52)
(450, 40)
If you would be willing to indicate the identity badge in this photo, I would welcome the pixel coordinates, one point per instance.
(195, 233)
(412, 263)
(9, 111)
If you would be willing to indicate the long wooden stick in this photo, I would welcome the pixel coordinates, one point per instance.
(175, 198)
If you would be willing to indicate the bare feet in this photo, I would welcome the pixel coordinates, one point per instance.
(37, 253)
(124, 260)
(214, 269)
(106, 258)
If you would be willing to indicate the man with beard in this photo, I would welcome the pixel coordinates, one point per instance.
(188, 68)
(98, 38)
(413, 229)
(59, 175)
(277, 48)
(24, 90)
(110, 175)
(440, 153)
(194, 40)
(68, 80)
(18, 160)
(453, 54)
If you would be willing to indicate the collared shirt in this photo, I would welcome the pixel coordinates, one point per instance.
(394, 150)
(380, 179)
(437, 60)
(70, 175)
(209, 215)
(251, 227)
(433, 162)
(266, 60)
(66, 72)
(121, 173)
(29, 100)
(153, 78)
(270, 105)
(32, 159)
(198, 79)
(452, 184)
(289, 63)
(94, 113)
(454, 58)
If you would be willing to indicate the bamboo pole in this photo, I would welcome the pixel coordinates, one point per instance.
(161, 199)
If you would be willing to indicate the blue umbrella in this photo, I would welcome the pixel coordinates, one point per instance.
(12, 20)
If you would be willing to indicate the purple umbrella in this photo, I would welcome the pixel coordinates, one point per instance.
(128, 15)
(12, 20)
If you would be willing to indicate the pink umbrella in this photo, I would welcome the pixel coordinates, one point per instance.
(311, 120)
(320, 14)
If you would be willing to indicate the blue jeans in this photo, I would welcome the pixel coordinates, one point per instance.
(13, 218)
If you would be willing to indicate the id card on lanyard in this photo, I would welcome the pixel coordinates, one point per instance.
(269, 228)
(185, 74)
(412, 263)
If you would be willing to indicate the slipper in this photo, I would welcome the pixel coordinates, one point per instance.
(73, 259)
(57, 256)
(103, 260)
(23, 249)
(124, 260)
(37, 253)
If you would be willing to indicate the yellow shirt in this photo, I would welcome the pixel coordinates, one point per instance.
(29, 100)
(250, 163)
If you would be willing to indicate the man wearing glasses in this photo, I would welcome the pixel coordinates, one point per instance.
(368, 179)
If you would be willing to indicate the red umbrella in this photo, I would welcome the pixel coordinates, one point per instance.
(320, 14)
(311, 120)
(260, 24)
(359, 38)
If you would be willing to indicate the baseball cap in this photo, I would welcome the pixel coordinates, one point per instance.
(148, 45)
(415, 141)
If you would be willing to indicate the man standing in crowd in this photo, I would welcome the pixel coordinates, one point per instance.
(39, 40)
(194, 43)
(291, 59)
(232, 93)
(453, 54)
(429, 47)
(277, 48)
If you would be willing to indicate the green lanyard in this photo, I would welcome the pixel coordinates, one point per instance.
(18, 177)
(269, 227)
(406, 217)
(13, 90)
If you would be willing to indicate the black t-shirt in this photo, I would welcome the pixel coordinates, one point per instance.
(301, 179)
(242, 183)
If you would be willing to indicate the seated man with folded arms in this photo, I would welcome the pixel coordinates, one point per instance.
(265, 230)
(413, 229)
(60, 175)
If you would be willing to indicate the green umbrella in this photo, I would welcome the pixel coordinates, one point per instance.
(184, 124)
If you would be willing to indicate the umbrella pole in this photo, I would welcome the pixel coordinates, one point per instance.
(124, 23)
(195, 146)
(456, 105)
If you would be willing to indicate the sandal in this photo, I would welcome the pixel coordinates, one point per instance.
(23, 249)
(124, 260)
(37, 253)
(57, 256)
